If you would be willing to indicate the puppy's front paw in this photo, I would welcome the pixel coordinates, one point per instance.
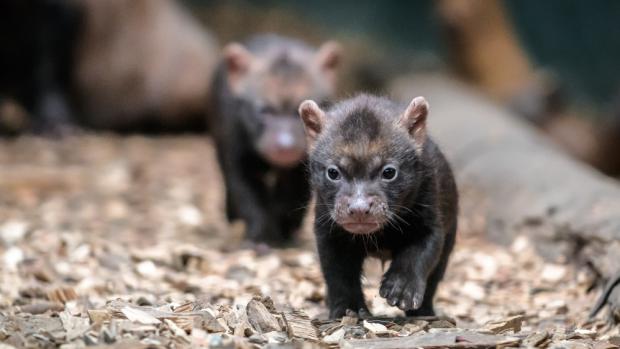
(402, 289)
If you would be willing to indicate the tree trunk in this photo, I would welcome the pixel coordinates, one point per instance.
(520, 182)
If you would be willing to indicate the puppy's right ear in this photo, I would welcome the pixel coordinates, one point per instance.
(314, 120)
(238, 60)
(413, 120)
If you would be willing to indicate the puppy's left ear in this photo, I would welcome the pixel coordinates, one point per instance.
(328, 58)
(413, 120)
(238, 61)
(314, 120)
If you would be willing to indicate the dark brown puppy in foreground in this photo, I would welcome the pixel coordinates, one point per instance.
(383, 188)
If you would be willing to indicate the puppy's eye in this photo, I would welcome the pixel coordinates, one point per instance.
(389, 173)
(333, 173)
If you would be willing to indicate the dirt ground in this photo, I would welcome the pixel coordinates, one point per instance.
(108, 240)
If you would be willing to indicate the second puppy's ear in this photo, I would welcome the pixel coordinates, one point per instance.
(238, 61)
(413, 120)
(328, 55)
(328, 59)
(314, 120)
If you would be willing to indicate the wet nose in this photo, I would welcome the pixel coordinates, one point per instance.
(285, 141)
(360, 207)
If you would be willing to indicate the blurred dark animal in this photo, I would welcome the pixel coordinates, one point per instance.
(37, 39)
(259, 137)
(383, 188)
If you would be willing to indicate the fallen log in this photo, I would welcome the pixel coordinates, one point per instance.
(521, 182)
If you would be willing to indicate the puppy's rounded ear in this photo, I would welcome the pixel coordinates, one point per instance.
(329, 55)
(413, 120)
(314, 120)
(328, 59)
(238, 60)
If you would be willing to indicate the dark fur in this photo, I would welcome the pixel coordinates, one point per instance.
(37, 39)
(424, 197)
(272, 211)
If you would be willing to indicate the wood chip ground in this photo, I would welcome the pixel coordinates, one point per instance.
(112, 241)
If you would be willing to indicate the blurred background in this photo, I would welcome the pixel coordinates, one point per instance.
(109, 184)
(145, 66)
